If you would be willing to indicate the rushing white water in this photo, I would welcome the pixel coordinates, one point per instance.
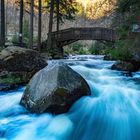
(112, 112)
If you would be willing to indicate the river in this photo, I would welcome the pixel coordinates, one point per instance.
(112, 112)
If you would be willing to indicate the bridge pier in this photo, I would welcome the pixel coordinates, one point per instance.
(56, 50)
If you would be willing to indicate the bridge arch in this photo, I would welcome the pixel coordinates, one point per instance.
(70, 35)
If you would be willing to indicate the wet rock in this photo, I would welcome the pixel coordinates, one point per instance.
(7, 87)
(20, 59)
(108, 57)
(18, 65)
(54, 89)
(126, 66)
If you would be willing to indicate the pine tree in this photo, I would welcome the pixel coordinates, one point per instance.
(57, 7)
(39, 22)
(49, 43)
(31, 23)
(21, 23)
(2, 34)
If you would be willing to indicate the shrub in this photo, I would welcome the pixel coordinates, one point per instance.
(26, 31)
(15, 39)
(123, 31)
(76, 48)
(100, 48)
(121, 52)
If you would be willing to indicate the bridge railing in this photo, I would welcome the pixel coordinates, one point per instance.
(62, 34)
(96, 33)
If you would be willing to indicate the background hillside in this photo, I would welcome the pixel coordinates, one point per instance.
(89, 14)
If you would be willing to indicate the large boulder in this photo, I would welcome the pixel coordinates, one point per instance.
(126, 66)
(18, 65)
(20, 59)
(54, 89)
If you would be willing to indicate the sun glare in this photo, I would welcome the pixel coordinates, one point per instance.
(84, 3)
(94, 9)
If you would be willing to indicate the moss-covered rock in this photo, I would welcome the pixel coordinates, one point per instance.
(18, 65)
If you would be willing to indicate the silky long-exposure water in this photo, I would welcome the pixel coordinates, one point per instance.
(112, 112)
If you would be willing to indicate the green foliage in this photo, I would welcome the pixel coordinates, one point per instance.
(100, 48)
(35, 39)
(130, 10)
(128, 6)
(15, 39)
(123, 31)
(120, 52)
(25, 35)
(67, 9)
(10, 80)
(94, 50)
(1, 48)
(82, 51)
(76, 48)
(26, 32)
(127, 13)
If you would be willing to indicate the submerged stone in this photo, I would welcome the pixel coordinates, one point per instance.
(54, 89)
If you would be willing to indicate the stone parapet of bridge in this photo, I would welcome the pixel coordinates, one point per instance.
(96, 33)
(68, 36)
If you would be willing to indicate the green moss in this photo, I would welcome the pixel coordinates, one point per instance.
(10, 80)
(60, 92)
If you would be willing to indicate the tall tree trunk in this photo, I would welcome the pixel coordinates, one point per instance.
(31, 23)
(0, 23)
(39, 23)
(21, 24)
(6, 17)
(2, 35)
(58, 4)
(49, 43)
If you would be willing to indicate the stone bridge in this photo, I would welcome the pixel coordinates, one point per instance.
(70, 35)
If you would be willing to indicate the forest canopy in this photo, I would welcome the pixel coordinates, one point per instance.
(68, 8)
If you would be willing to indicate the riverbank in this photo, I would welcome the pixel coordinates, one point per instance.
(109, 113)
(18, 65)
